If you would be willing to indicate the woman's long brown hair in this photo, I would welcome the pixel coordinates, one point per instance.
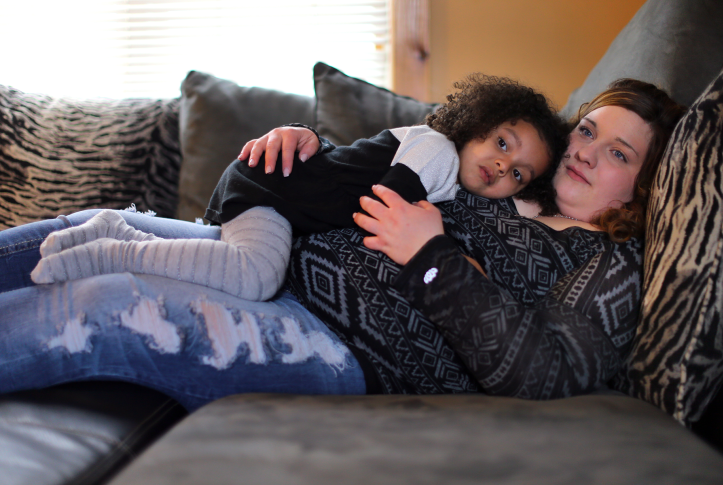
(661, 113)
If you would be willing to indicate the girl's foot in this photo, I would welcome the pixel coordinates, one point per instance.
(107, 223)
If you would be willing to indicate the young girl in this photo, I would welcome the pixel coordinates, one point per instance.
(494, 137)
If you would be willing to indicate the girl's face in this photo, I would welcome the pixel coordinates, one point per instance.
(607, 149)
(503, 163)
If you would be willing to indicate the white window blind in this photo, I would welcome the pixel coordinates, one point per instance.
(144, 48)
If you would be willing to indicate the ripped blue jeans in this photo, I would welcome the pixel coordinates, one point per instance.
(193, 343)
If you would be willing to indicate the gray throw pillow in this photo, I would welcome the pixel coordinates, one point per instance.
(677, 358)
(217, 117)
(676, 45)
(348, 109)
(61, 155)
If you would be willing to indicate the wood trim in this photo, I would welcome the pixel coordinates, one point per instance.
(410, 48)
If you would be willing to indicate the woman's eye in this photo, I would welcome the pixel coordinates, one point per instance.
(518, 176)
(585, 132)
(620, 155)
(502, 143)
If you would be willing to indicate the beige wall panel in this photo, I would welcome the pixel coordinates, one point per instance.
(548, 44)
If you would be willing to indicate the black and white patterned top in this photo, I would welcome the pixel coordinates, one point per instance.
(555, 318)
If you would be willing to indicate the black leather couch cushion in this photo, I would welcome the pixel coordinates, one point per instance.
(79, 433)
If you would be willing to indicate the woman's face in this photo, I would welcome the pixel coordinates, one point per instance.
(607, 149)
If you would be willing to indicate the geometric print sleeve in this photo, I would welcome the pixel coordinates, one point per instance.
(569, 342)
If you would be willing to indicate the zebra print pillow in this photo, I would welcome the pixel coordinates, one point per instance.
(677, 358)
(60, 155)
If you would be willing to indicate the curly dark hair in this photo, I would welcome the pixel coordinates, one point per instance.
(482, 103)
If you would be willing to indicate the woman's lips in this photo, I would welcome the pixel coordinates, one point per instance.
(576, 175)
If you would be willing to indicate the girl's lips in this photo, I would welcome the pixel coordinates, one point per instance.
(576, 175)
(486, 176)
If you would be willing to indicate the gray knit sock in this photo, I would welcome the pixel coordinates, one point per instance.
(249, 262)
(106, 223)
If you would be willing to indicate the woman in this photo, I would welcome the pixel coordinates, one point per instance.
(553, 316)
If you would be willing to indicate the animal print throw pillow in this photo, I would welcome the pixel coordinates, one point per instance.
(677, 359)
(60, 155)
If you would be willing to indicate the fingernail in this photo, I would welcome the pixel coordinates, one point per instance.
(252, 162)
(303, 157)
(268, 169)
(286, 172)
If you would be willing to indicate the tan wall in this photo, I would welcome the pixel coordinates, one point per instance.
(549, 44)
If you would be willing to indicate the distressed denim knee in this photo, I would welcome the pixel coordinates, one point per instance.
(191, 342)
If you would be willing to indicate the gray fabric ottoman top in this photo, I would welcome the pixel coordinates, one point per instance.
(284, 439)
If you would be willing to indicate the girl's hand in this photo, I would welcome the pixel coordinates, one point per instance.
(400, 228)
(287, 140)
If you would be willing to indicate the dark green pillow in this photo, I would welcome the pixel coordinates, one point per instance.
(676, 45)
(348, 109)
(217, 117)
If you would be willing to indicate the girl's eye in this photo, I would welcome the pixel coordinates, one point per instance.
(518, 176)
(502, 143)
(620, 155)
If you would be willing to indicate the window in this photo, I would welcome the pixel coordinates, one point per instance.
(128, 48)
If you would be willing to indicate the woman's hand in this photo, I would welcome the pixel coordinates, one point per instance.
(287, 140)
(400, 228)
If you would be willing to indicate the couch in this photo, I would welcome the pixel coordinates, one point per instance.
(659, 421)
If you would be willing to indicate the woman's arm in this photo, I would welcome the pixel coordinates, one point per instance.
(570, 342)
(400, 229)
